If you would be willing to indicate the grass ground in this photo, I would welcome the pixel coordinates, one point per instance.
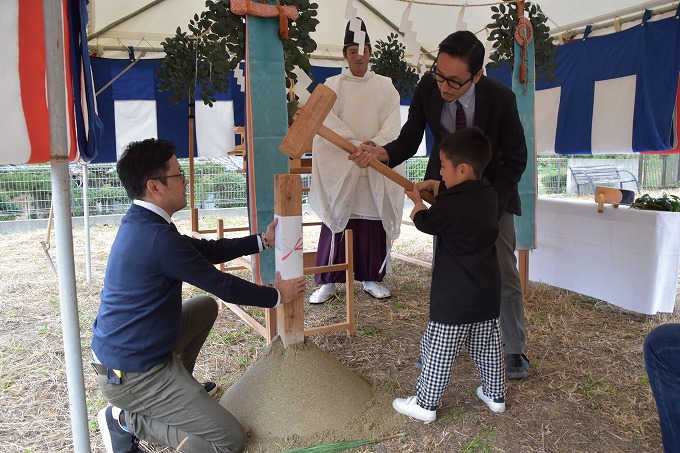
(588, 391)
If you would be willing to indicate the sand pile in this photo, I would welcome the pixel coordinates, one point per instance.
(299, 396)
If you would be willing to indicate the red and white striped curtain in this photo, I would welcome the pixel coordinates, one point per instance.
(24, 125)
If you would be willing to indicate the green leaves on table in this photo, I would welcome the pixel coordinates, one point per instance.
(670, 203)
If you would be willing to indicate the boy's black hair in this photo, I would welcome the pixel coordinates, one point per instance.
(468, 146)
(464, 45)
(141, 161)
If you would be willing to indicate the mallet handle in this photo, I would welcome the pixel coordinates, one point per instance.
(375, 164)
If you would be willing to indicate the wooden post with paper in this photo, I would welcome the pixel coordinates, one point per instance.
(309, 122)
(288, 210)
(292, 262)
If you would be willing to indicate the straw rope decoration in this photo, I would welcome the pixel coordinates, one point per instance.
(458, 4)
(406, 25)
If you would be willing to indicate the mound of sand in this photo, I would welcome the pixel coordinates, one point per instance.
(299, 396)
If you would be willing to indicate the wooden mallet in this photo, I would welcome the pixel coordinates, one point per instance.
(612, 195)
(309, 122)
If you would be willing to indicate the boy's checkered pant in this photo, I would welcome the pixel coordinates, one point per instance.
(441, 344)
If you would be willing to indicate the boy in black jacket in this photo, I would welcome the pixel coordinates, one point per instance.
(465, 289)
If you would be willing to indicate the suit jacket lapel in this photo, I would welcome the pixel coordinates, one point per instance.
(482, 103)
(435, 113)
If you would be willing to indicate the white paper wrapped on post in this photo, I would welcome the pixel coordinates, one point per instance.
(288, 247)
(290, 317)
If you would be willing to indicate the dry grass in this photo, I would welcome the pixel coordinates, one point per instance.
(588, 391)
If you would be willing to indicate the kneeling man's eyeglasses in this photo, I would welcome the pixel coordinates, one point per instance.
(178, 175)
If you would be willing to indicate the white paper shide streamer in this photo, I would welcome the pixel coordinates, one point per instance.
(240, 78)
(288, 247)
(350, 10)
(406, 27)
(460, 23)
(302, 85)
(355, 26)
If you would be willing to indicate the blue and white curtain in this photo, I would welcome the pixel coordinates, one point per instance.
(614, 94)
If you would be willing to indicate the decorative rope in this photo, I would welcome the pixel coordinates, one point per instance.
(285, 13)
(283, 21)
(418, 55)
(417, 2)
(241, 7)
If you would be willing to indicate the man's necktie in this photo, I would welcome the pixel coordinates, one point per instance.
(460, 117)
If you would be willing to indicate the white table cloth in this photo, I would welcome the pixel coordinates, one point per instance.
(627, 257)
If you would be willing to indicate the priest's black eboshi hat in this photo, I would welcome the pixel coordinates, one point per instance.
(349, 36)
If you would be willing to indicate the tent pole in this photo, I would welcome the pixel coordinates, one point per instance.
(192, 113)
(117, 76)
(56, 81)
(86, 222)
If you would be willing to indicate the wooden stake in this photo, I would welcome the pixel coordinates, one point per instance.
(220, 235)
(194, 220)
(349, 280)
(524, 270)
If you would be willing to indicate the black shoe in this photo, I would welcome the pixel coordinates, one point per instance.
(116, 439)
(210, 387)
(518, 366)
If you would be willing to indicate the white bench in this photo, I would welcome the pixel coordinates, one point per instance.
(602, 175)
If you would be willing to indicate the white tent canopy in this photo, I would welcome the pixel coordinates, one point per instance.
(621, 124)
(115, 25)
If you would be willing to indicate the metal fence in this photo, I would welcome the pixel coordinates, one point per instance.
(653, 171)
(25, 190)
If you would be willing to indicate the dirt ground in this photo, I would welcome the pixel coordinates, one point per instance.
(588, 391)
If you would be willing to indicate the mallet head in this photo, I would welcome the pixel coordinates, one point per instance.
(308, 121)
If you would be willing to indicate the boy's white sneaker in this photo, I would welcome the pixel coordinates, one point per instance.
(497, 405)
(409, 406)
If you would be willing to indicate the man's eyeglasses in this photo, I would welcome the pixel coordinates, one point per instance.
(452, 83)
(178, 175)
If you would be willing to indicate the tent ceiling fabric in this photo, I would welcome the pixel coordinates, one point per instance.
(431, 22)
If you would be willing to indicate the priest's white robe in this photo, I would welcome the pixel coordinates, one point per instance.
(367, 109)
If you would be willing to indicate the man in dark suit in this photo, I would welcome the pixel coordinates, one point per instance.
(453, 95)
(145, 338)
